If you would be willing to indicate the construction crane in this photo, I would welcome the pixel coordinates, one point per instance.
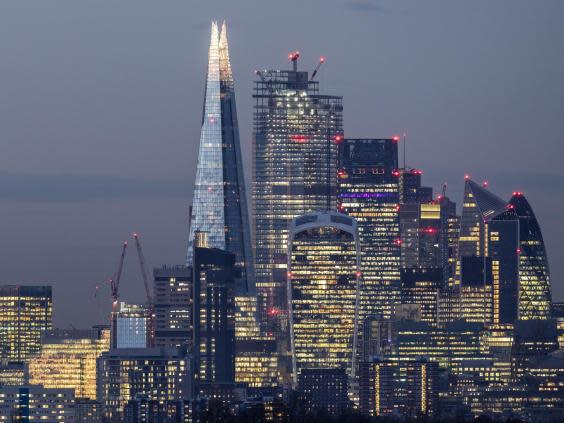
(321, 61)
(143, 269)
(114, 283)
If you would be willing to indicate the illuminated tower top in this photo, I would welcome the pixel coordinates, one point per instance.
(219, 205)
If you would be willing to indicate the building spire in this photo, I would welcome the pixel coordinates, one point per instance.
(224, 65)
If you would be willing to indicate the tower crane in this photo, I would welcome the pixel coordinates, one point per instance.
(114, 283)
(321, 61)
(143, 269)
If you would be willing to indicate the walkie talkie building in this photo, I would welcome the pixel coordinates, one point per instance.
(219, 206)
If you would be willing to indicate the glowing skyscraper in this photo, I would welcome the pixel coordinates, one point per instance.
(323, 291)
(219, 205)
(534, 277)
(369, 192)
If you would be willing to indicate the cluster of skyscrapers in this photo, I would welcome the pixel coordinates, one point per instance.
(347, 281)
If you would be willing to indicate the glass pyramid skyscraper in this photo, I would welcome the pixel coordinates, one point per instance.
(219, 205)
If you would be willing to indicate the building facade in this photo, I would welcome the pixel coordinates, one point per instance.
(214, 316)
(160, 374)
(34, 403)
(535, 296)
(369, 192)
(219, 205)
(68, 360)
(323, 291)
(295, 137)
(25, 313)
(172, 294)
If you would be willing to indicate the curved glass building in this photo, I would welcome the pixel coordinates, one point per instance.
(323, 291)
(534, 277)
(219, 205)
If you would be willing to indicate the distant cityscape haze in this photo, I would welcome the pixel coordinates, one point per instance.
(101, 111)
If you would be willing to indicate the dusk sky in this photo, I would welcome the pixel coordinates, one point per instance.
(101, 102)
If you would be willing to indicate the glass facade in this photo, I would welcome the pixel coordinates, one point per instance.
(25, 312)
(219, 205)
(534, 277)
(323, 295)
(132, 326)
(369, 192)
(68, 360)
(296, 131)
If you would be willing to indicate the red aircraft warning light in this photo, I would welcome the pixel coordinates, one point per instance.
(395, 172)
(395, 138)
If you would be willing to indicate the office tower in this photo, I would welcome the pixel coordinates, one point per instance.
(421, 286)
(256, 355)
(25, 312)
(479, 278)
(325, 389)
(295, 136)
(219, 205)
(172, 304)
(409, 234)
(161, 374)
(132, 326)
(68, 360)
(33, 403)
(323, 291)
(411, 196)
(410, 189)
(377, 336)
(369, 192)
(503, 247)
(534, 276)
(214, 316)
(453, 235)
(478, 208)
(13, 373)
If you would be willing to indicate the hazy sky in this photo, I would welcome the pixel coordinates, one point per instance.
(100, 108)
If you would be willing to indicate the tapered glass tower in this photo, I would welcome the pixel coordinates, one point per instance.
(534, 277)
(219, 205)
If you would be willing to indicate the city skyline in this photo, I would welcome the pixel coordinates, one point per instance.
(76, 257)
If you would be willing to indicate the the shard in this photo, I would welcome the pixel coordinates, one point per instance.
(219, 205)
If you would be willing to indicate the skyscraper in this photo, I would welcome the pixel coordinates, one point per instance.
(296, 131)
(479, 206)
(172, 295)
(214, 316)
(219, 205)
(25, 312)
(534, 277)
(369, 192)
(323, 291)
